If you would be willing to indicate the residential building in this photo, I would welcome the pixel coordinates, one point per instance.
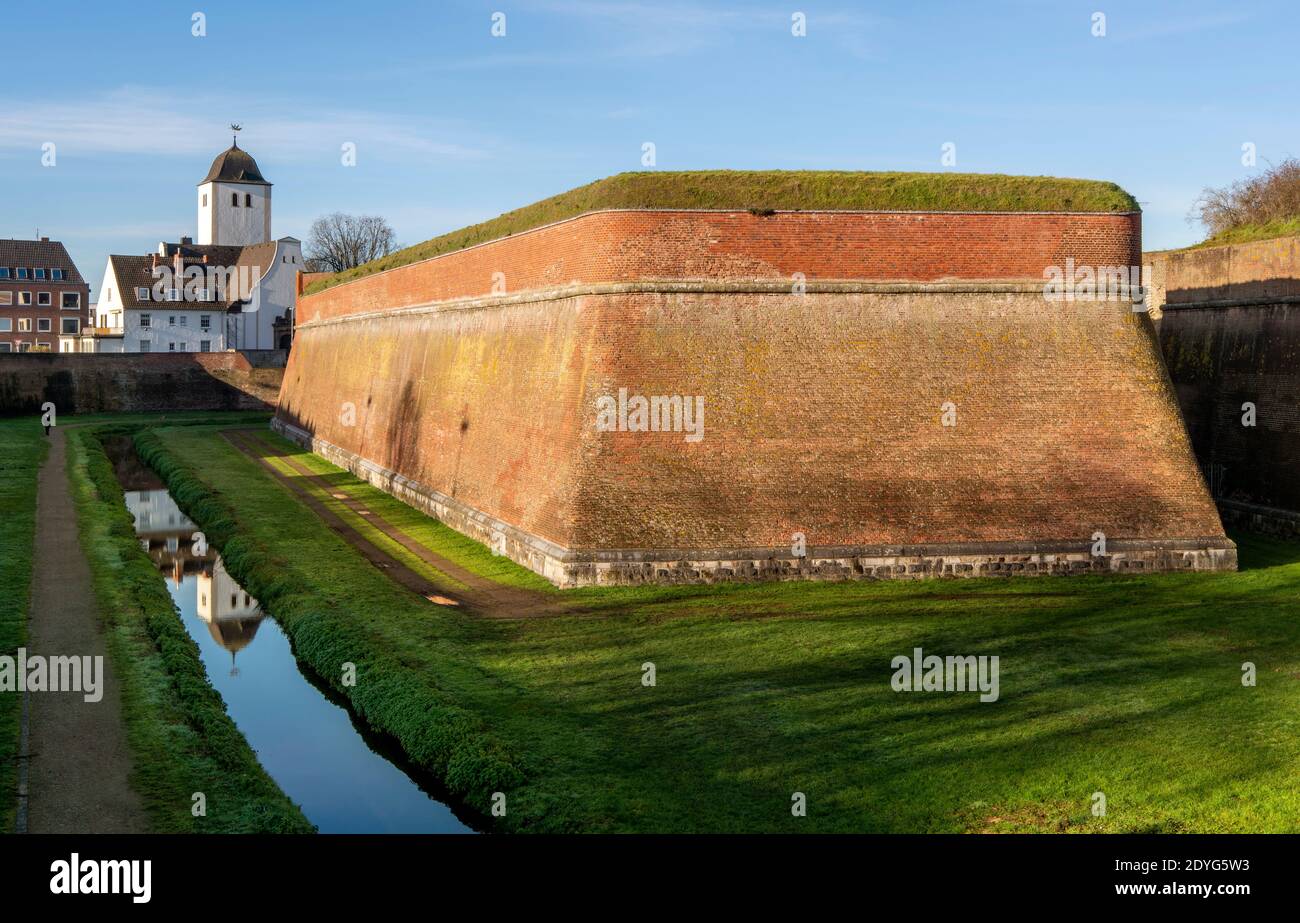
(234, 289)
(44, 300)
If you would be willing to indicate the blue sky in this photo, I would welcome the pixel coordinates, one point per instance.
(453, 125)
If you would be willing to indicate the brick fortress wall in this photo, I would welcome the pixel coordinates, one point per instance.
(822, 398)
(1230, 332)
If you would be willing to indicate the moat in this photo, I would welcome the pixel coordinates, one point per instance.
(345, 778)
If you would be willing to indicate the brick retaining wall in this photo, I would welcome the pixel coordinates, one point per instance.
(139, 382)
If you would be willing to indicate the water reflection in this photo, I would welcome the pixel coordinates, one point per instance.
(346, 779)
(167, 534)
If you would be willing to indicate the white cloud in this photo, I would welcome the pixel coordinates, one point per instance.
(136, 120)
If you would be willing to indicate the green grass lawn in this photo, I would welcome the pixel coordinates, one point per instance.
(22, 450)
(763, 190)
(1130, 686)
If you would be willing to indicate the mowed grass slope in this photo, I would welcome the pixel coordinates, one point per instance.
(779, 190)
(1129, 686)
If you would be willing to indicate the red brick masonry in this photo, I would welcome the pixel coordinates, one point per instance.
(822, 405)
(627, 246)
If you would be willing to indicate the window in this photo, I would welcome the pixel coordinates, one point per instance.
(109, 296)
(173, 294)
(146, 321)
(6, 348)
(71, 299)
(142, 294)
(234, 199)
(205, 200)
(145, 346)
(24, 325)
(4, 272)
(184, 320)
(205, 321)
(38, 273)
(6, 297)
(6, 325)
(24, 347)
(44, 325)
(57, 275)
(24, 297)
(248, 199)
(171, 347)
(43, 346)
(44, 299)
(71, 326)
(65, 346)
(205, 346)
(171, 320)
(22, 272)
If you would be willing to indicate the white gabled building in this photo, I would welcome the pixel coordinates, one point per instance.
(231, 290)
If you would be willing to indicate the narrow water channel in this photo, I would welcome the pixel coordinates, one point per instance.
(345, 778)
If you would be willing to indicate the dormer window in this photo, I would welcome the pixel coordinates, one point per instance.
(40, 273)
(142, 294)
(56, 275)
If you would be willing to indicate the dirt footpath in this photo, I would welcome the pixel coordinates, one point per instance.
(79, 762)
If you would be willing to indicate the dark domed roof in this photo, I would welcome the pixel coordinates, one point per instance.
(235, 166)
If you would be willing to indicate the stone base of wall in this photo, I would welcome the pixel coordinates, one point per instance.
(1263, 519)
(567, 568)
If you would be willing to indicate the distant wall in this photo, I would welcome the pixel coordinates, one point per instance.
(1230, 333)
(140, 382)
(1259, 272)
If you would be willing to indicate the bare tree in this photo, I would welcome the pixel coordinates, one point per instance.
(1271, 196)
(338, 241)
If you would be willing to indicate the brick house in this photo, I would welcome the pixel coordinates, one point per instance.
(44, 301)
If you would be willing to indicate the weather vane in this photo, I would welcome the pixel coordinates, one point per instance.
(236, 128)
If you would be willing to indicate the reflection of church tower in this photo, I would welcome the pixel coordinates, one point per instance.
(232, 616)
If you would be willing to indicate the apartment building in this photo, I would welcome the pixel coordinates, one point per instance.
(44, 301)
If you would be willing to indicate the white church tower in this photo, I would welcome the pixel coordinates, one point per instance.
(234, 201)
